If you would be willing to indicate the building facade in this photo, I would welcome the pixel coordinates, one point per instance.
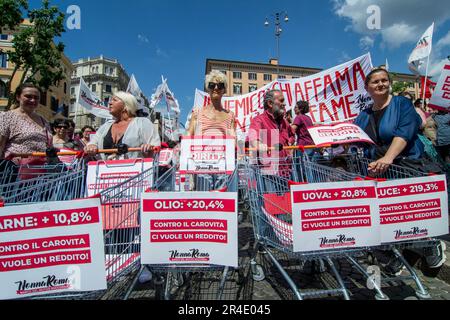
(245, 77)
(54, 102)
(104, 76)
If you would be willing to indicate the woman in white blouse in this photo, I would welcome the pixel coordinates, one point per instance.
(126, 129)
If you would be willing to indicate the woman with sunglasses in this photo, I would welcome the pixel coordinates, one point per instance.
(214, 119)
(61, 138)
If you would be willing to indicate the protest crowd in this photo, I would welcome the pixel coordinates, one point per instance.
(290, 161)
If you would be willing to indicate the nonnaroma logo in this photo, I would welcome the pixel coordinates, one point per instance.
(49, 283)
(192, 255)
(340, 241)
(415, 232)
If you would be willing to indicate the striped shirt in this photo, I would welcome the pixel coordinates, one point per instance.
(209, 127)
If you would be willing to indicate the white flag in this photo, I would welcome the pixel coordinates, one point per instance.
(164, 91)
(134, 89)
(90, 102)
(422, 50)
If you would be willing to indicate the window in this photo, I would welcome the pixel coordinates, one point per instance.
(4, 37)
(2, 89)
(3, 60)
(237, 88)
(72, 90)
(106, 101)
(108, 88)
(281, 76)
(224, 72)
(65, 87)
(43, 98)
(252, 87)
(237, 75)
(252, 76)
(267, 77)
(54, 104)
(94, 87)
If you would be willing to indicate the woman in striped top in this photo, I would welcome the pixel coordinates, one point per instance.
(214, 119)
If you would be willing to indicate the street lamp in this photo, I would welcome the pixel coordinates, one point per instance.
(278, 32)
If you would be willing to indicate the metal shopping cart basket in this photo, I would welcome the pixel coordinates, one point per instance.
(360, 165)
(269, 190)
(193, 282)
(36, 183)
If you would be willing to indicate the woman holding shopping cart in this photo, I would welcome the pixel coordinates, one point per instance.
(23, 131)
(125, 129)
(393, 124)
(213, 120)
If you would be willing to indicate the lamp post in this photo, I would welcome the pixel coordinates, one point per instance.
(278, 32)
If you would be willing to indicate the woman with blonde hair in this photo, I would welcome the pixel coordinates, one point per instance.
(126, 128)
(214, 119)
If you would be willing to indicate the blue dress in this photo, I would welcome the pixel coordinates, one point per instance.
(399, 120)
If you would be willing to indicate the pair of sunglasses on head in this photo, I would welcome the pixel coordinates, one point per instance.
(213, 85)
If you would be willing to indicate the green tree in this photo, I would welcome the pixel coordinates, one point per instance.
(34, 50)
(398, 87)
(11, 13)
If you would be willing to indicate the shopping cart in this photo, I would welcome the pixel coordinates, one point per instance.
(37, 183)
(269, 190)
(120, 207)
(194, 282)
(360, 165)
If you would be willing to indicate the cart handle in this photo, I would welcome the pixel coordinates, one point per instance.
(303, 148)
(76, 153)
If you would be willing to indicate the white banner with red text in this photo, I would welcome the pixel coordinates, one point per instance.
(207, 155)
(413, 208)
(49, 248)
(91, 103)
(441, 96)
(189, 228)
(343, 133)
(335, 95)
(335, 215)
(119, 213)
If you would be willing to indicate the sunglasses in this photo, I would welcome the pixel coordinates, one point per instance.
(213, 85)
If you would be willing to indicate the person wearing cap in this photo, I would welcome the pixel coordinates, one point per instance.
(126, 128)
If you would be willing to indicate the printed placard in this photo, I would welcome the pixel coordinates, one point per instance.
(335, 215)
(120, 213)
(49, 248)
(189, 228)
(343, 133)
(414, 208)
(207, 155)
(441, 95)
(165, 157)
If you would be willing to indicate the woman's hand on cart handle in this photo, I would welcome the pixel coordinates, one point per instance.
(380, 166)
(146, 148)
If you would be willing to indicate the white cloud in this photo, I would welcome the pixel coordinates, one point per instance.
(443, 42)
(344, 57)
(366, 42)
(402, 21)
(143, 38)
(161, 53)
(398, 34)
(436, 67)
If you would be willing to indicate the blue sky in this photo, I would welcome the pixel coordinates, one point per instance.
(174, 38)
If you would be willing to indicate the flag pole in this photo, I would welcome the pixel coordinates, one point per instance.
(77, 104)
(425, 83)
